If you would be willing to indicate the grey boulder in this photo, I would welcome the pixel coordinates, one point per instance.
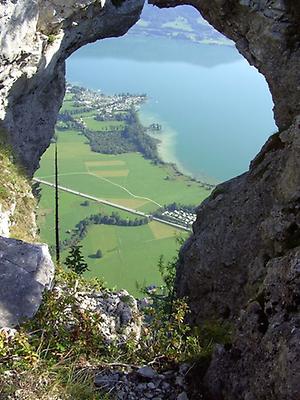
(26, 271)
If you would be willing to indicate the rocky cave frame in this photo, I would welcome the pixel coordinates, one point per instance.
(242, 262)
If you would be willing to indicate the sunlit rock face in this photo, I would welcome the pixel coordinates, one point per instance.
(26, 271)
(5, 220)
(36, 37)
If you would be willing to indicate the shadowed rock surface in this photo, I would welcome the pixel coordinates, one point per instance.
(245, 223)
(26, 270)
(263, 362)
(242, 264)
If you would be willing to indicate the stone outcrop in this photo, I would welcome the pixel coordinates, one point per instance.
(26, 270)
(119, 317)
(36, 37)
(242, 264)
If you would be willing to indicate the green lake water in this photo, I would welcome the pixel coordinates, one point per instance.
(216, 110)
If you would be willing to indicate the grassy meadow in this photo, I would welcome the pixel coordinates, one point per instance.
(126, 179)
(130, 254)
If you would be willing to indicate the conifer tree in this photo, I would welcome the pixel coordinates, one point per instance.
(75, 260)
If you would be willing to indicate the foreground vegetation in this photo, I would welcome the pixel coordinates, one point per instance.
(49, 358)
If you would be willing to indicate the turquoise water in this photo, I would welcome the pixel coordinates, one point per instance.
(216, 110)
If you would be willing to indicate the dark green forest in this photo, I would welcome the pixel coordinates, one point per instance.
(132, 138)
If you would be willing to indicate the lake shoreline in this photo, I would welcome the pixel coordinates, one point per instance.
(209, 42)
(166, 147)
(157, 145)
(206, 136)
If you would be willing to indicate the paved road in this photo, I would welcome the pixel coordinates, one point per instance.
(109, 203)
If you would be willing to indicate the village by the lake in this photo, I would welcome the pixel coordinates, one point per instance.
(98, 106)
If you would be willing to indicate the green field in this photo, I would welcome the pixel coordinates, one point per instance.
(94, 125)
(126, 179)
(71, 212)
(130, 254)
(68, 103)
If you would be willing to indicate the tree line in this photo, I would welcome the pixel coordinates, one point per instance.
(81, 228)
(132, 138)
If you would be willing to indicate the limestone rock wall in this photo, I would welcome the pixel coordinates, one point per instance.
(263, 362)
(244, 224)
(242, 265)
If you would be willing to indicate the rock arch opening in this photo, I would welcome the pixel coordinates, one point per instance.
(205, 98)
